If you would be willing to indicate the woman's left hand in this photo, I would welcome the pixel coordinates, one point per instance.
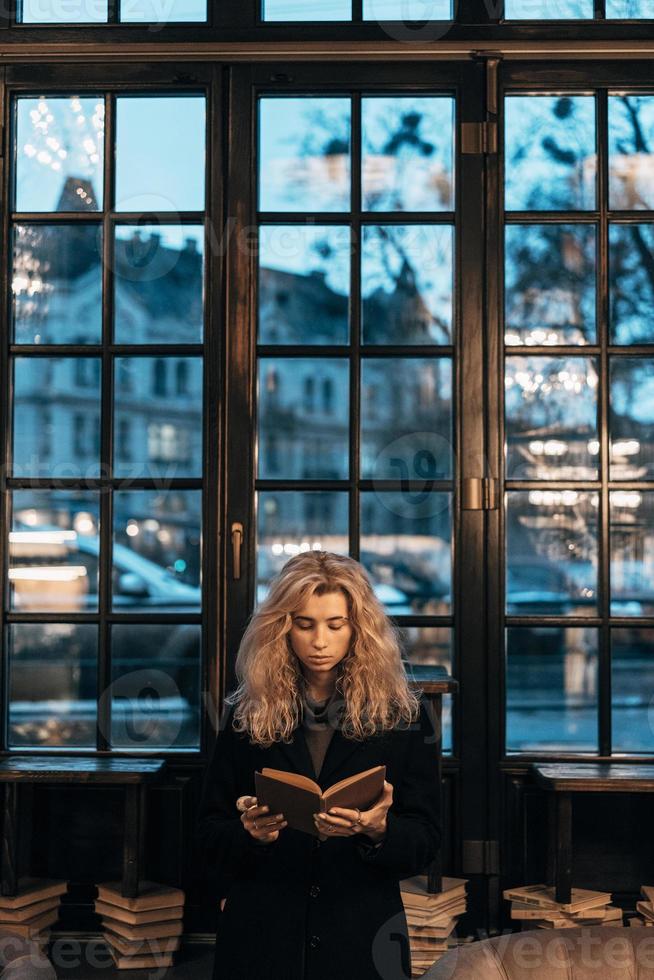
(343, 822)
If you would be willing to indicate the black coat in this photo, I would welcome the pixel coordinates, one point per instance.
(301, 909)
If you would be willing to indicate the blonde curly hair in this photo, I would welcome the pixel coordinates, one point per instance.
(373, 684)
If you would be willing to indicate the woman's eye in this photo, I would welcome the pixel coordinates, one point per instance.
(335, 629)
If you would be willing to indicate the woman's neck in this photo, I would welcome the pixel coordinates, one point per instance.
(320, 687)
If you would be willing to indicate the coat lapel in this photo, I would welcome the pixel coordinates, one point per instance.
(296, 753)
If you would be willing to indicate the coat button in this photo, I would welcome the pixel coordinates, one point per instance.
(314, 891)
(316, 843)
(314, 942)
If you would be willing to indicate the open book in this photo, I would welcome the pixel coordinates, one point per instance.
(299, 797)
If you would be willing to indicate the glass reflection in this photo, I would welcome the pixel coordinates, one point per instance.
(632, 418)
(551, 689)
(407, 10)
(159, 284)
(406, 418)
(550, 285)
(632, 553)
(304, 154)
(289, 522)
(426, 650)
(53, 551)
(406, 548)
(299, 10)
(551, 553)
(60, 153)
(550, 155)
(551, 418)
(632, 683)
(174, 11)
(61, 11)
(157, 550)
(57, 284)
(160, 153)
(629, 8)
(155, 686)
(65, 389)
(631, 283)
(631, 159)
(158, 417)
(304, 284)
(406, 284)
(52, 684)
(408, 153)
(549, 9)
(303, 418)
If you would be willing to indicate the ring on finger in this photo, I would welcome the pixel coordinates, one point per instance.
(255, 825)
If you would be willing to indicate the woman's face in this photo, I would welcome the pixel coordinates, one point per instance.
(321, 633)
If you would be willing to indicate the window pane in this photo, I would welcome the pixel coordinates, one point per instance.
(408, 145)
(631, 283)
(550, 284)
(154, 12)
(52, 684)
(631, 162)
(629, 8)
(61, 11)
(289, 522)
(551, 685)
(158, 417)
(407, 10)
(159, 284)
(157, 551)
(549, 9)
(59, 153)
(406, 419)
(631, 418)
(304, 154)
(301, 10)
(632, 683)
(53, 551)
(303, 418)
(551, 418)
(426, 648)
(406, 284)
(56, 416)
(406, 548)
(304, 284)
(551, 558)
(57, 284)
(550, 156)
(160, 153)
(155, 686)
(632, 553)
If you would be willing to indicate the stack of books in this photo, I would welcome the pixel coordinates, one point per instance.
(141, 932)
(33, 909)
(431, 918)
(535, 907)
(645, 908)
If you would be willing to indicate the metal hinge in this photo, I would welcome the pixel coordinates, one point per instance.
(479, 137)
(481, 857)
(479, 493)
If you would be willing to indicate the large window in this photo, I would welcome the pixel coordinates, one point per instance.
(579, 413)
(105, 456)
(356, 314)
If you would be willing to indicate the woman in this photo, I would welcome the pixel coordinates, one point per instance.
(322, 692)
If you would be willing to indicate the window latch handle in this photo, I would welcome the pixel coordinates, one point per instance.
(237, 541)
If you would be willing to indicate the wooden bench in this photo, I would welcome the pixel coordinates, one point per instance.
(561, 780)
(29, 770)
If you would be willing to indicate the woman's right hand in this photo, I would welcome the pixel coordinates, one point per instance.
(268, 825)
